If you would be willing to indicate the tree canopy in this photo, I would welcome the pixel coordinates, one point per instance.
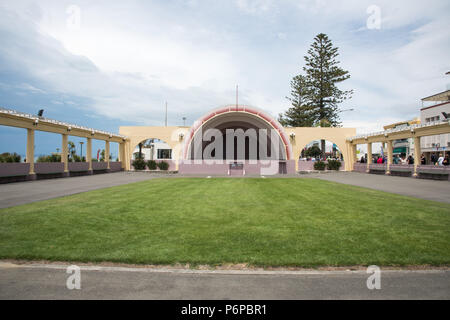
(315, 96)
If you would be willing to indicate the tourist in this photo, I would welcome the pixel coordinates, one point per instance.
(410, 160)
(440, 160)
(380, 160)
(395, 160)
(423, 160)
(446, 161)
(362, 159)
(433, 159)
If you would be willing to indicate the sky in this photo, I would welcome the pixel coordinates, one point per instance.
(109, 63)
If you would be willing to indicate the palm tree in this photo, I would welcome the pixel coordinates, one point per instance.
(72, 150)
(141, 144)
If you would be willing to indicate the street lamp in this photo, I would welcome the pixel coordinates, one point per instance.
(81, 145)
(184, 121)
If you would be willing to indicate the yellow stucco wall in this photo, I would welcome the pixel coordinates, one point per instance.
(170, 135)
(303, 136)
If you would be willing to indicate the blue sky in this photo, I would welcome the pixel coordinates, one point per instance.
(109, 63)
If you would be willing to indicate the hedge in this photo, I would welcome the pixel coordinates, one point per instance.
(334, 165)
(319, 165)
(151, 164)
(163, 165)
(139, 164)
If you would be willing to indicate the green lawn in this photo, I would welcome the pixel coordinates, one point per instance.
(265, 222)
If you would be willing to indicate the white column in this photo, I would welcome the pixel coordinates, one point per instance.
(30, 150)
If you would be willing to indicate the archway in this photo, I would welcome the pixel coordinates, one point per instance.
(153, 149)
(312, 152)
(237, 139)
(301, 136)
(235, 118)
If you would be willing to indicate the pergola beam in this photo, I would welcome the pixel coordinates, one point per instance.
(35, 123)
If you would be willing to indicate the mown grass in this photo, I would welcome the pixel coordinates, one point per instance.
(264, 222)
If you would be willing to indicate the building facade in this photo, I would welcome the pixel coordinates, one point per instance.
(153, 149)
(401, 147)
(436, 113)
(235, 139)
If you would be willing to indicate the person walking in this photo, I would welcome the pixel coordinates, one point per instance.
(440, 160)
(403, 159)
(395, 160)
(433, 159)
(446, 161)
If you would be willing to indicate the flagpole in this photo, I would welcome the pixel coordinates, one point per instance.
(237, 96)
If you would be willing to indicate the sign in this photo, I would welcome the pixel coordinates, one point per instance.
(236, 166)
(399, 150)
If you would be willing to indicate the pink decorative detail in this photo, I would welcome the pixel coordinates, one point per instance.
(232, 108)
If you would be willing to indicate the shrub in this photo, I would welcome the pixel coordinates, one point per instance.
(51, 158)
(334, 165)
(139, 164)
(152, 165)
(319, 165)
(77, 158)
(313, 152)
(9, 157)
(163, 165)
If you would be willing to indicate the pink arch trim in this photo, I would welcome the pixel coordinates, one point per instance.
(245, 109)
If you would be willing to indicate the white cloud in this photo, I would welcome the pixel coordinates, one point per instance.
(254, 6)
(282, 35)
(129, 58)
(30, 88)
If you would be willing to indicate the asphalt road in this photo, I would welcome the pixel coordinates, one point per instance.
(13, 194)
(419, 188)
(49, 282)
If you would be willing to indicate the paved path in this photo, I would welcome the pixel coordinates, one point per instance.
(49, 282)
(419, 188)
(13, 194)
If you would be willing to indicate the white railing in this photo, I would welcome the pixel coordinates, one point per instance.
(53, 121)
(395, 130)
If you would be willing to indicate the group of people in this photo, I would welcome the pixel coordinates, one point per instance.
(402, 159)
(439, 161)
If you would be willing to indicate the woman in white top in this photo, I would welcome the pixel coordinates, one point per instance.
(440, 160)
